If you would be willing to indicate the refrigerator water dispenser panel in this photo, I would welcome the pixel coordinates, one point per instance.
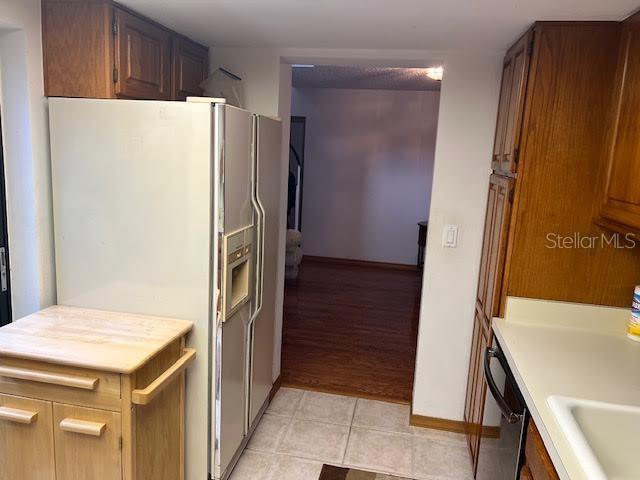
(238, 270)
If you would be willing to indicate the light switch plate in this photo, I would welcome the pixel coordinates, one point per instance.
(450, 236)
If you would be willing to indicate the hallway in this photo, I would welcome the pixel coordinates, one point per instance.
(351, 329)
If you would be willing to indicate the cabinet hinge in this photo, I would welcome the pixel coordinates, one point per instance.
(531, 43)
(115, 75)
(511, 195)
(114, 27)
(516, 156)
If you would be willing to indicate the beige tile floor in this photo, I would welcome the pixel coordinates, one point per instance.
(301, 430)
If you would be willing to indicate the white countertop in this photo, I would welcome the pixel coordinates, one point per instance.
(569, 349)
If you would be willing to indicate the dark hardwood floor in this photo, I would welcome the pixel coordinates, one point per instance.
(351, 329)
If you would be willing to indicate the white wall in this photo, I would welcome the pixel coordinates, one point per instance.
(368, 168)
(26, 156)
(284, 112)
(464, 143)
(466, 123)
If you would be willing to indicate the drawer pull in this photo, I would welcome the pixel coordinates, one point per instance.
(83, 427)
(145, 395)
(85, 383)
(18, 416)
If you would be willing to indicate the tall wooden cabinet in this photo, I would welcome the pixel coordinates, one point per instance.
(546, 190)
(99, 49)
(494, 247)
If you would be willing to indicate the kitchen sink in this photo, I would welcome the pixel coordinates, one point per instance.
(604, 436)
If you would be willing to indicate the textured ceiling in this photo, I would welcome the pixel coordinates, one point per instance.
(363, 78)
(471, 25)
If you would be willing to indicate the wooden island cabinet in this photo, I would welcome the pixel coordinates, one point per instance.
(99, 49)
(87, 394)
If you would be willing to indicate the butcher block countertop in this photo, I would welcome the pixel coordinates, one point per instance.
(94, 339)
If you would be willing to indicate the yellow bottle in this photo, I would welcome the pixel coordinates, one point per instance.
(633, 328)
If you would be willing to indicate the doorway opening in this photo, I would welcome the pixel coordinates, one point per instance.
(296, 172)
(5, 284)
(363, 141)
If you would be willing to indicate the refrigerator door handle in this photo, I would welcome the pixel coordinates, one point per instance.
(256, 283)
(260, 237)
(263, 219)
(262, 248)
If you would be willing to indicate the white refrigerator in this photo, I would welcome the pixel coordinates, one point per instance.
(173, 209)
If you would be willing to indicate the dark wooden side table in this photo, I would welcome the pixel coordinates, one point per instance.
(422, 241)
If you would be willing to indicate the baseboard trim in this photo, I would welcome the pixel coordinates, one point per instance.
(359, 263)
(344, 391)
(276, 386)
(455, 426)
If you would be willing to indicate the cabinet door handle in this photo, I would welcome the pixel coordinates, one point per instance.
(145, 395)
(95, 429)
(18, 416)
(85, 383)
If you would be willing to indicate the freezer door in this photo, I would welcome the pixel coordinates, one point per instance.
(268, 188)
(233, 389)
(237, 145)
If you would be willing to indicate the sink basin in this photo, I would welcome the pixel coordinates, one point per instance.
(605, 436)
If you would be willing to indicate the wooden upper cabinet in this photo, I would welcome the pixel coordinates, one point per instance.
(142, 58)
(77, 48)
(622, 193)
(505, 91)
(190, 66)
(98, 49)
(511, 106)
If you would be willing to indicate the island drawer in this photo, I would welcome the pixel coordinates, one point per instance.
(59, 383)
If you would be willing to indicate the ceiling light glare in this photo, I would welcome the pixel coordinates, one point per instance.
(434, 73)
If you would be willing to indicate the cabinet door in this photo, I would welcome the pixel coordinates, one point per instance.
(501, 123)
(189, 67)
(77, 48)
(142, 58)
(26, 439)
(489, 295)
(622, 198)
(476, 389)
(494, 247)
(511, 106)
(538, 462)
(88, 443)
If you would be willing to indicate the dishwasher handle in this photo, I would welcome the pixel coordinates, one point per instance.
(509, 415)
